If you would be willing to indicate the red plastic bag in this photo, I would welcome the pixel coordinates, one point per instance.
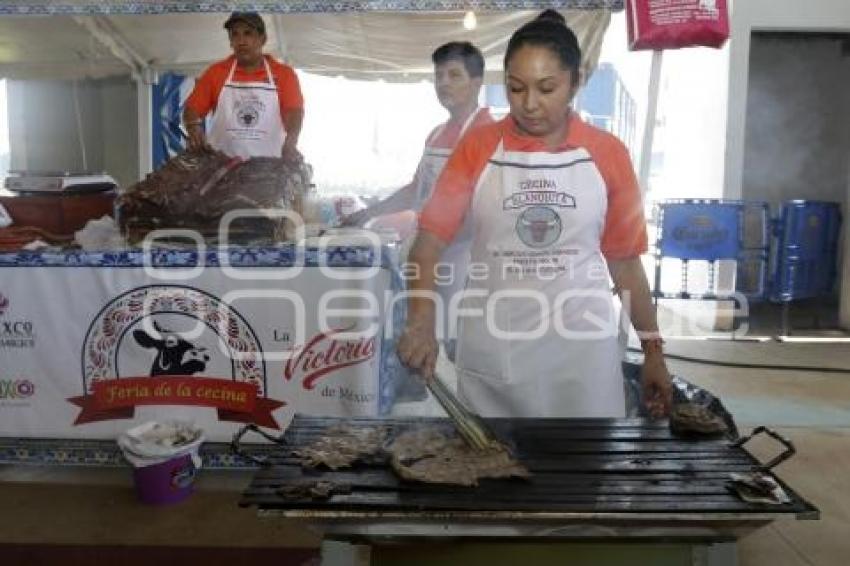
(670, 24)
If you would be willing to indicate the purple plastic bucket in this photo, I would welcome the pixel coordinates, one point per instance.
(167, 482)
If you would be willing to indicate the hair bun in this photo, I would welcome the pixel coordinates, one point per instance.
(551, 15)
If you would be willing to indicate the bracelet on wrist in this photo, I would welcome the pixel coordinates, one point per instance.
(653, 345)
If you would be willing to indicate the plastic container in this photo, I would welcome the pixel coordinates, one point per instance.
(700, 230)
(165, 460)
(704, 233)
(806, 254)
(167, 482)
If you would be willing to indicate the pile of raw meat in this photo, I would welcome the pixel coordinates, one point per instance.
(195, 190)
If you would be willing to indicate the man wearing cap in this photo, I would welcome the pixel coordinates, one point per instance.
(256, 100)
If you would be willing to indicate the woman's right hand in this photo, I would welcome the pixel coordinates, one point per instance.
(197, 138)
(418, 347)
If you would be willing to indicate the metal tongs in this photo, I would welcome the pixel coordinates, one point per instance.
(470, 426)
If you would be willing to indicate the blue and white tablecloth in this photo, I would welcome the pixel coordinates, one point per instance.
(93, 343)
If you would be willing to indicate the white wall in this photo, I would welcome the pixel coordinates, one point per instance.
(119, 130)
(766, 15)
(43, 126)
(815, 16)
(44, 133)
(797, 137)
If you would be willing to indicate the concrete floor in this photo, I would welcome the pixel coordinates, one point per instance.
(813, 411)
(77, 507)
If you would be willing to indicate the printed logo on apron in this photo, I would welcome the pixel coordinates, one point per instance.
(538, 198)
(538, 227)
(247, 122)
(248, 112)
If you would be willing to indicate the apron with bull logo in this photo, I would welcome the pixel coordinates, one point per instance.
(543, 342)
(247, 121)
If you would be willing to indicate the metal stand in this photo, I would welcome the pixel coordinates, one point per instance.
(615, 482)
(342, 553)
(786, 319)
(720, 554)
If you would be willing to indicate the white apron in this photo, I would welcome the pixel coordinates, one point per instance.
(455, 258)
(247, 121)
(538, 221)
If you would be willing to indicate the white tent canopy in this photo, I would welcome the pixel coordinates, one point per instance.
(90, 7)
(62, 42)
(390, 45)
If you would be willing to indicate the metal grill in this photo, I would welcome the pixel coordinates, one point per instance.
(631, 471)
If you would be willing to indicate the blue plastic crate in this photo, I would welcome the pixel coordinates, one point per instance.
(706, 231)
(700, 230)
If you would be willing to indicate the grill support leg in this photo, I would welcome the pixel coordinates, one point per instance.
(715, 554)
(341, 553)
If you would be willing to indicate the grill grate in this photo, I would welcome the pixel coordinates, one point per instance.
(594, 466)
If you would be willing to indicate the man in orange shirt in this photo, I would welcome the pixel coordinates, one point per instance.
(256, 101)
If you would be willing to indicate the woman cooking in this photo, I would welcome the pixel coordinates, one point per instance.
(555, 209)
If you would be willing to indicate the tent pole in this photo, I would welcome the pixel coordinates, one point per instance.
(649, 126)
(646, 162)
(81, 135)
(144, 100)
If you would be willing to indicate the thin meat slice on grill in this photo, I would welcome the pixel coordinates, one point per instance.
(429, 455)
(341, 446)
(195, 190)
(425, 454)
(309, 489)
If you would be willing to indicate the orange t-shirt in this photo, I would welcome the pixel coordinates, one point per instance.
(204, 97)
(624, 233)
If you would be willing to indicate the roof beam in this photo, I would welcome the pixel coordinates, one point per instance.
(108, 35)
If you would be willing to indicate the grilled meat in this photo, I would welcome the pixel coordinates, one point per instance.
(419, 454)
(428, 455)
(341, 446)
(311, 490)
(691, 418)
